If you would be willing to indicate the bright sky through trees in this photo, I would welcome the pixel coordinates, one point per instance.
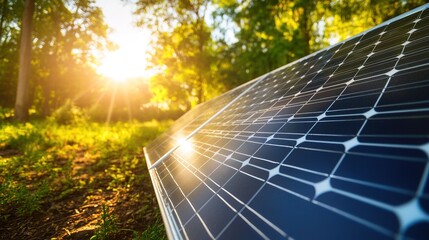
(183, 52)
(129, 58)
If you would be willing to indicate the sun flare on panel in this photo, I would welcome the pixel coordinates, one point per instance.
(185, 145)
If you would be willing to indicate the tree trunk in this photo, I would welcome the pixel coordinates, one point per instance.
(2, 19)
(22, 95)
(305, 29)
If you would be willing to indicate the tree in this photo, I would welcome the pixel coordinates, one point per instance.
(183, 50)
(67, 33)
(11, 16)
(22, 95)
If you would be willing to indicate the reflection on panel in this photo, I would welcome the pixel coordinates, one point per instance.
(332, 146)
(189, 122)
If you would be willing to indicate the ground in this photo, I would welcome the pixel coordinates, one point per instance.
(77, 181)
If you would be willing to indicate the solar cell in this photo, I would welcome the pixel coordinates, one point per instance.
(332, 146)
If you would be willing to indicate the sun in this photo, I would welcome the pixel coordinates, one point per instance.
(129, 60)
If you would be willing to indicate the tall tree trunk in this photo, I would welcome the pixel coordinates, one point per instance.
(306, 27)
(2, 19)
(22, 95)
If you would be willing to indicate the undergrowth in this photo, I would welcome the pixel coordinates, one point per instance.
(53, 171)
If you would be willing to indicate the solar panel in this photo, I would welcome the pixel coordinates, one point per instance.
(190, 122)
(332, 146)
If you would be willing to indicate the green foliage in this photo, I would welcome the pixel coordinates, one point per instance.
(65, 34)
(183, 51)
(6, 113)
(154, 232)
(107, 225)
(69, 114)
(16, 193)
(44, 162)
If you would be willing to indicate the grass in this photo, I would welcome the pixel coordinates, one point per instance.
(77, 181)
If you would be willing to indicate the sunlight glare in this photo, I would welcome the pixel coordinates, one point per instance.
(128, 61)
(185, 145)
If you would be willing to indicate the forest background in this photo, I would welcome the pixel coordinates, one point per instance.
(198, 50)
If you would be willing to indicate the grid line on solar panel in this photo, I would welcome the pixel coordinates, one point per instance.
(226, 202)
(189, 122)
(320, 138)
(207, 116)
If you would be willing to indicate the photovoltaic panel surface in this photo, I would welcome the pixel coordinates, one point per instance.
(189, 122)
(332, 146)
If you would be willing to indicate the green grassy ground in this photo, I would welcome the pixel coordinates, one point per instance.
(78, 181)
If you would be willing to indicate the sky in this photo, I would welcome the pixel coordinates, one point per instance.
(128, 60)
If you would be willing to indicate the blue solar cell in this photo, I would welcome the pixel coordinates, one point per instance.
(293, 185)
(372, 192)
(364, 211)
(240, 229)
(418, 231)
(216, 207)
(235, 186)
(404, 174)
(313, 160)
(195, 229)
(273, 153)
(325, 224)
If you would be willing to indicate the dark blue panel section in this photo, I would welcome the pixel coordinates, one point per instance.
(184, 211)
(377, 193)
(255, 171)
(244, 194)
(261, 225)
(302, 174)
(263, 163)
(222, 174)
(336, 128)
(401, 174)
(239, 229)
(176, 197)
(200, 196)
(368, 213)
(418, 231)
(390, 128)
(301, 127)
(248, 148)
(313, 160)
(216, 215)
(271, 127)
(293, 185)
(392, 152)
(294, 221)
(195, 229)
(273, 153)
